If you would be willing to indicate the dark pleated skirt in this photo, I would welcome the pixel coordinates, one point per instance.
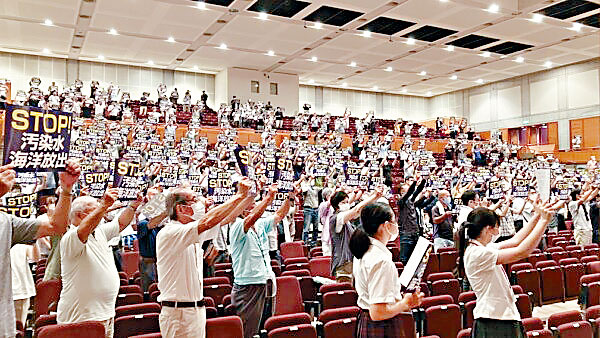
(368, 328)
(494, 328)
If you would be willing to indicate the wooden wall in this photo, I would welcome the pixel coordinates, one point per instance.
(553, 133)
(589, 129)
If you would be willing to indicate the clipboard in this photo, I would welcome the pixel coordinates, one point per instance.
(415, 267)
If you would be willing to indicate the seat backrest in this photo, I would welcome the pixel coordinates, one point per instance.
(557, 319)
(129, 298)
(594, 267)
(443, 320)
(91, 329)
(592, 312)
(446, 287)
(136, 309)
(589, 259)
(573, 247)
(338, 313)
(47, 292)
(447, 249)
(302, 330)
(555, 249)
(128, 326)
(576, 329)
(439, 276)
(587, 279)
(467, 297)
(320, 266)
(276, 322)
(215, 281)
(567, 261)
(344, 327)
(517, 289)
(545, 264)
(288, 298)
(337, 299)
(224, 327)
(533, 323)
(436, 300)
(130, 262)
(520, 266)
(292, 249)
(335, 287)
(296, 273)
(130, 289)
(524, 305)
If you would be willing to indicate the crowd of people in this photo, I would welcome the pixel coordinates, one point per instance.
(243, 199)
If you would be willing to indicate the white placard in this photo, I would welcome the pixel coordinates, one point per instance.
(543, 183)
(415, 267)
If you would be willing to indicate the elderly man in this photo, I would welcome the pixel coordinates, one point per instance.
(251, 261)
(179, 257)
(14, 230)
(87, 258)
(441, 215)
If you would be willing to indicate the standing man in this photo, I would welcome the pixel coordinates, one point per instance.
(580, 212)
(86, 256)
(179, 258)
(310, 193)
(204, 98)
(408, 223)
(254, 278)
(147, 230)
(442, 221)
(14, 230)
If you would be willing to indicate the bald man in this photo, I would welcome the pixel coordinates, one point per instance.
(442, 221)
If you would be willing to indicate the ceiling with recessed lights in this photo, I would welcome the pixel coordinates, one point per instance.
(418, 47)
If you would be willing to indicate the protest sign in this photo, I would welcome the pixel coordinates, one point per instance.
(35, 139)
(22, 206)
(97, 182)
(520, 187)
(26, 178)
(155, 206)
(496, 191)
(353, 174)
(220, 186)
(563, 190)
(243, 157)
(127, 180)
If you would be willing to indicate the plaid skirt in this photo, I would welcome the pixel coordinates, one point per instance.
(368, 328)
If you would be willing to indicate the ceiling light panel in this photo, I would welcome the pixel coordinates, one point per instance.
(332, 16)
(287, 8)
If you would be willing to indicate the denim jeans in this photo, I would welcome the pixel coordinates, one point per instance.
(311, 215)
(407, 245)
(148, 272)
(442, 243)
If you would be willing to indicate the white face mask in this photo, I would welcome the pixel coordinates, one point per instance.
(394, 233)
(344, 206)
(199, 211)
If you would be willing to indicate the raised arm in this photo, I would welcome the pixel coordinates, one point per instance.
(58, 223)
(260, 208)
(128, 214)
(544, 214)
(91, 221)
(234, 205)
(355, 212)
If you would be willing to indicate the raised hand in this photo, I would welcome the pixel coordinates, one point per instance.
(109, 198)
(70, 175)
(273, 188)
(244, 186)
(7, 178)
(413, 300)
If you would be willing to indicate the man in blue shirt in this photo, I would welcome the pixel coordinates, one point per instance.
(146, 234)
(251, 262)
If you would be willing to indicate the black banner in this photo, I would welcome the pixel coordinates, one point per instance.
(36, 139)
(127, 180)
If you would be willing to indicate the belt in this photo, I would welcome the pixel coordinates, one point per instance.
(200, 303)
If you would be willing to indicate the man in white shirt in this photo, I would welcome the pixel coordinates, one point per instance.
(470, 201)
(179, 257)
(580, 212)
(87, 258)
